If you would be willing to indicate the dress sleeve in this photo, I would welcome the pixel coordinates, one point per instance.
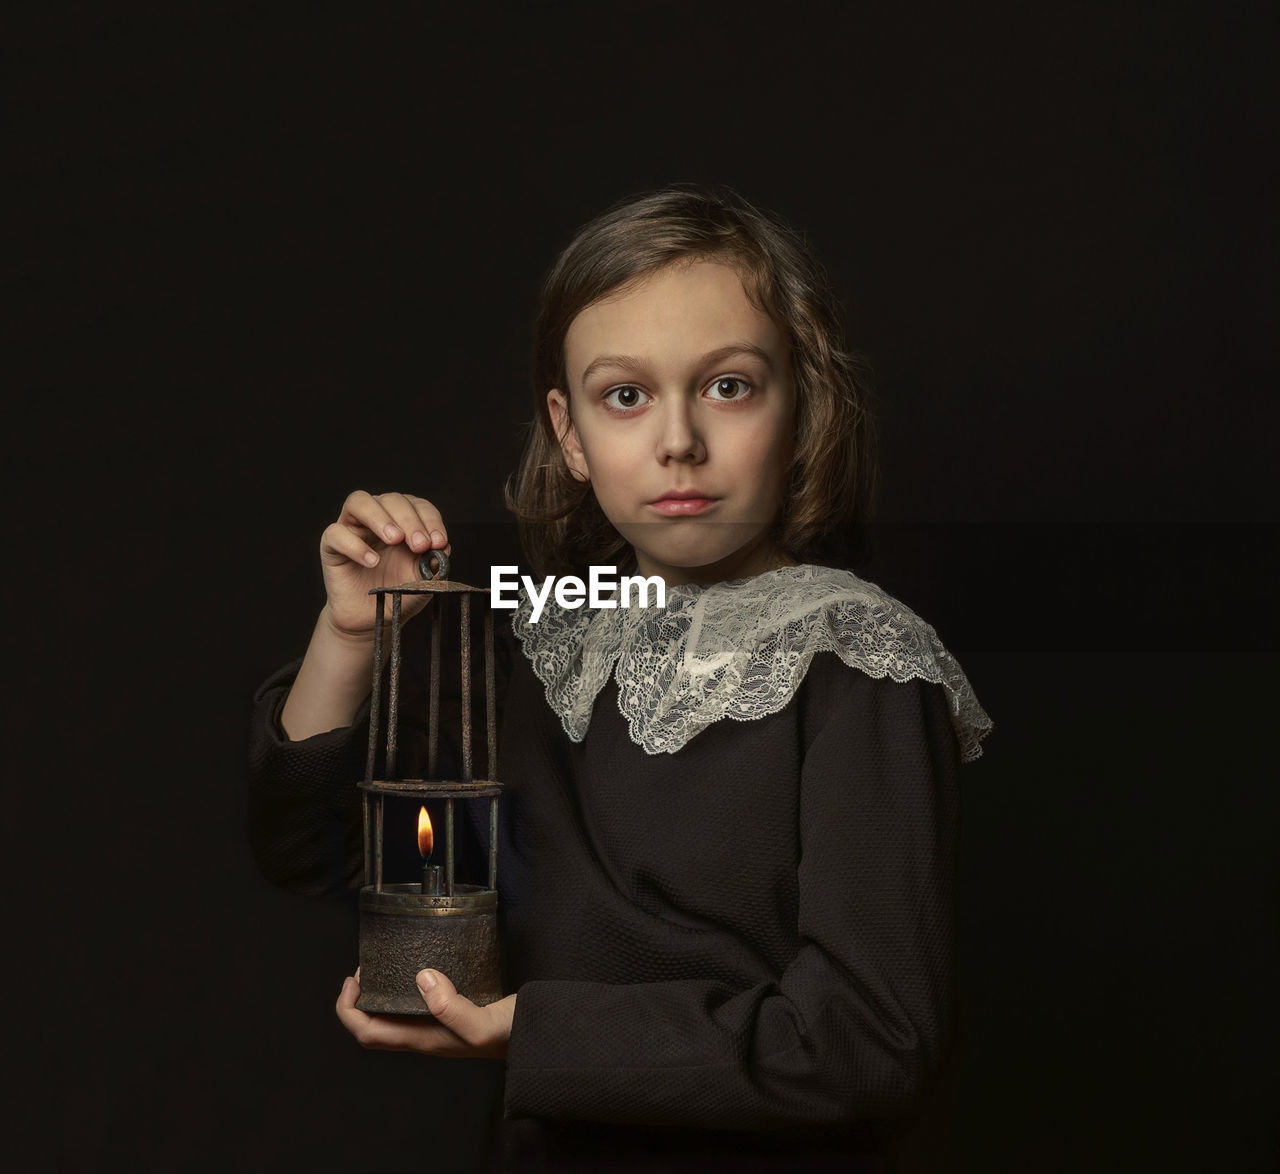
(304, 816)
(304, 819)
(852, 1028)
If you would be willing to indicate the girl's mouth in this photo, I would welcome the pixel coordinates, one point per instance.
(673, 507)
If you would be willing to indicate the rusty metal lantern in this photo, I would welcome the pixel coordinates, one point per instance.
(444, 924)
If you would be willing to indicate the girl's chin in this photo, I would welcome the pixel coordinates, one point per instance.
(676, 563)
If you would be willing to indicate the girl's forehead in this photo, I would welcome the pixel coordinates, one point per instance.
(694, 307)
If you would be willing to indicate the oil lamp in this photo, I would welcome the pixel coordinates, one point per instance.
(435, 921)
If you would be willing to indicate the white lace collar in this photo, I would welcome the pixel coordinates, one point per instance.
(737, 649)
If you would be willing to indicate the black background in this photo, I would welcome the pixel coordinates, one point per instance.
(260, 256)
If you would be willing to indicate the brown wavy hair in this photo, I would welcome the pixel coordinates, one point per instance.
(829, 496)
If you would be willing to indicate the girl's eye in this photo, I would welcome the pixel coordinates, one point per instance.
(625, 397)
(729, 387)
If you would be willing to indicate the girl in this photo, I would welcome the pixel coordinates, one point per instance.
(729, 824)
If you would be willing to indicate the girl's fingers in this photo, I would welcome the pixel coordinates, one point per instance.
(387, 1034)
(432, 523)
(339, 544)
(417, 518)
(363, 509)
(395, 518)
(394, 1034)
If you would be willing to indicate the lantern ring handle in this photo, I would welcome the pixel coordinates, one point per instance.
(442, 565)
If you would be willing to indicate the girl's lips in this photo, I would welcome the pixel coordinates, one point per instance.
(673, 507)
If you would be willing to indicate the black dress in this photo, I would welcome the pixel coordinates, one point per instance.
(739, 955)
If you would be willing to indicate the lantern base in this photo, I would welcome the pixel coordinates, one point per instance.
(403, 931)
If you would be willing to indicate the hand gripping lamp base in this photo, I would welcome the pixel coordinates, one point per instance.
(430, 922)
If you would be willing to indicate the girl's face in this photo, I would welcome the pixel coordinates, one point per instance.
(682, 420)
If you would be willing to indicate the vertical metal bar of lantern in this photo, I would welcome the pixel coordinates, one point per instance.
(490, 701)
(375, 710)
(493, 842)
(375, 701)
(436, 603)
(491, 728)
(448, 846)
(393, 688)
(464, 625)
(433, 712)
(393, 723)
(466, 687)
(377, 847)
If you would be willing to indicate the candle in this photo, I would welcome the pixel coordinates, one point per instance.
(426, 841)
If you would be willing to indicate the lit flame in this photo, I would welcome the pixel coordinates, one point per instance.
(426, 840)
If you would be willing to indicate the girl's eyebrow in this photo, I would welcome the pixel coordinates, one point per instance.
(631, 363)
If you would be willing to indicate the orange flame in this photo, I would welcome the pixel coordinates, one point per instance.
(426, 839)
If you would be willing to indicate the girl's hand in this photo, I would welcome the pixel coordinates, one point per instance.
(376, 542)
(460, 1028)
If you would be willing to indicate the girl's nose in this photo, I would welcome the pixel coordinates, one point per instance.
(680, 439)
